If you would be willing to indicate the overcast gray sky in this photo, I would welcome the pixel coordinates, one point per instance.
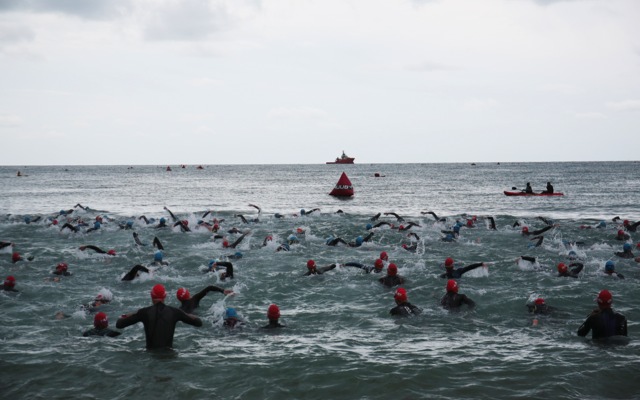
(298, 81)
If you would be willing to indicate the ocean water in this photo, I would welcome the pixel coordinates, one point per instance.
(340, 341)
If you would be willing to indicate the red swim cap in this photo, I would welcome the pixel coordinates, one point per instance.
(99, 218)
(392, 270)
(448, 262)
(10, 282)
(185, 222)
(54, 222)
(111, 252)
(525, 230)
(273, 312)
(216, 226)
(269, 238)
(404, 245)
(604, 298)
(452, 286)
(469, 222)
(384, 256)
(378, 264)
(311, 264)
(62, 267)
(100, 321)
(625, 222)
(300, 230)
(620, 232)
(183, 294)
(539, 301)
(401, 227)
(562, 268)
(401, 295)
(225, 244)
(638, 245)
(15, 257)
(158, 292)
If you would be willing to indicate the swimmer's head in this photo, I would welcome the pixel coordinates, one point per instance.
(378, 264)
(452, 286)
(369, 227)
(212, 263)
(625, 222)
(405, 246)
(609, 266)
(300, 231)
(100, 321)
(572, 255)
(157, 256)
(293, 239)
(130, 223)
(27, 220)
(185, 222)
(626, 247)
(401, 227)
(604, 299)
(10, 282)
(54, 222)
(230, 313)
(311, 264)
(469, 222)
(62, 267)
(400, 296)
(602, 224)
(98, 218)
(359, 240)
(539, 301)
(302, 212)
(384, 256)
(392, 270)
(620, 233)
(448, 263)
(158, 293)
(183, 294)
(111, 252)
(162, 220)
(456, 229)
(273, 312)
(96, 225)
(525, 230)
(562, 268)
(15, 256)
(225, 244)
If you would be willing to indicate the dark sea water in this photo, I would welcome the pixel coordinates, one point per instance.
(340, 341)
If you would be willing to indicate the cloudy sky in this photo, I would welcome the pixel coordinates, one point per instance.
(298, 81)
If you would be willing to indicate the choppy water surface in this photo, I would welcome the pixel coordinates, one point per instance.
(340, 341)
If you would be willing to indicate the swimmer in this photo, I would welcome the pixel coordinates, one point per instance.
(146, 220)
(408, 226)
(610, 269)
(412, 248)
(360, 240)
(184, 225)
(434, 216)
(384, 256)
(538, 241)
(9, 284)
(188, 304)
(128, 224)
(334, 241)
(256, 207)
(630, 226)
(135, 272)
(70, 227)
(525, 230)
(103, 297)
(158, 259)
(622, 235)
(398, 218)
(16, 257)
(539, 306)
(233, 245)
(375, 217)
(62, 269)
(98, 250)
(159, 320)
(381, 223)
(246, 221)
(303, 212)
(564, 271)
(283, 247)
(235, 256)
(162, 223)
(215, 265)
(314, 270)
(456, 273)
(101, 327)
(626, 251)
(377, 266)
(492, 223)
(392, 279)
(403, 308)
(173, 217)
(96, 225)
(273, 314)
(452, 300)
(603, 322)
(231, 318)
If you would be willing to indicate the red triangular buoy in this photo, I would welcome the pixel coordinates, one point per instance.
(343, 188)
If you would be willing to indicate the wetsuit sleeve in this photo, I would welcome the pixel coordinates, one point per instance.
(577, 269)
(189, 319)
(468, 301)
(134, 272)
(123, 322)
(354, 264)
(95, 248)
(527, 258)
(368, 237)
(228, 266)
(541, 231)
(584, 329)
(198, 296)
(157, 244)
(469, 268)
(327, 268)
(237, 242)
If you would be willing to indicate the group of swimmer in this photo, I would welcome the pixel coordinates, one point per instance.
(160, 319)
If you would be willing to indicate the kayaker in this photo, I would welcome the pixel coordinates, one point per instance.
(528, 189)
(549, 189)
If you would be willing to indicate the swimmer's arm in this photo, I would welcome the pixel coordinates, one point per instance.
(127, 320)
(190, 319)
(470, 267)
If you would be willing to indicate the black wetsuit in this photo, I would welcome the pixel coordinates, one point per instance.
(228, 269)
(273, 324)
(101, 332)
(625, 254)
(94, 248)
(398, 218)
(189, 305)
(334, 242)
(366, 268)
(573, 272)
(539, 231)
(237, 242)
(453, 301)
(159, 323)
(457, 273)
(405, 309)
(492, 223)
(5, 244)
(604, 323)
(7, 288)
(632, 227)
(391, 280)
(135, 271)
(71, 227)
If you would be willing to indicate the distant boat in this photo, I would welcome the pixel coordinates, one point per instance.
(343, 159)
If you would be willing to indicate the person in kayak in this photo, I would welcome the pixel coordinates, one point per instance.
(159, 320)
(528, 189)
(549, 189)
(603, 322)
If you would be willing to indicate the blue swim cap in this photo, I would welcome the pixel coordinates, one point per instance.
(602, 224)
(456, 229)
(369, 226)
(163, 220)
(63, 212)
(129, 223)
(449, 237)
(157, 256)
(572, 254)
(27, 220)
(609, 266)
(626, 247)
(292, 238)
(230, 313)
(286, 246)
(302, 212)
(200, 222)
(211, 262)
(96, 224)
(329, 239)
(238, 254)
(359, 240)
